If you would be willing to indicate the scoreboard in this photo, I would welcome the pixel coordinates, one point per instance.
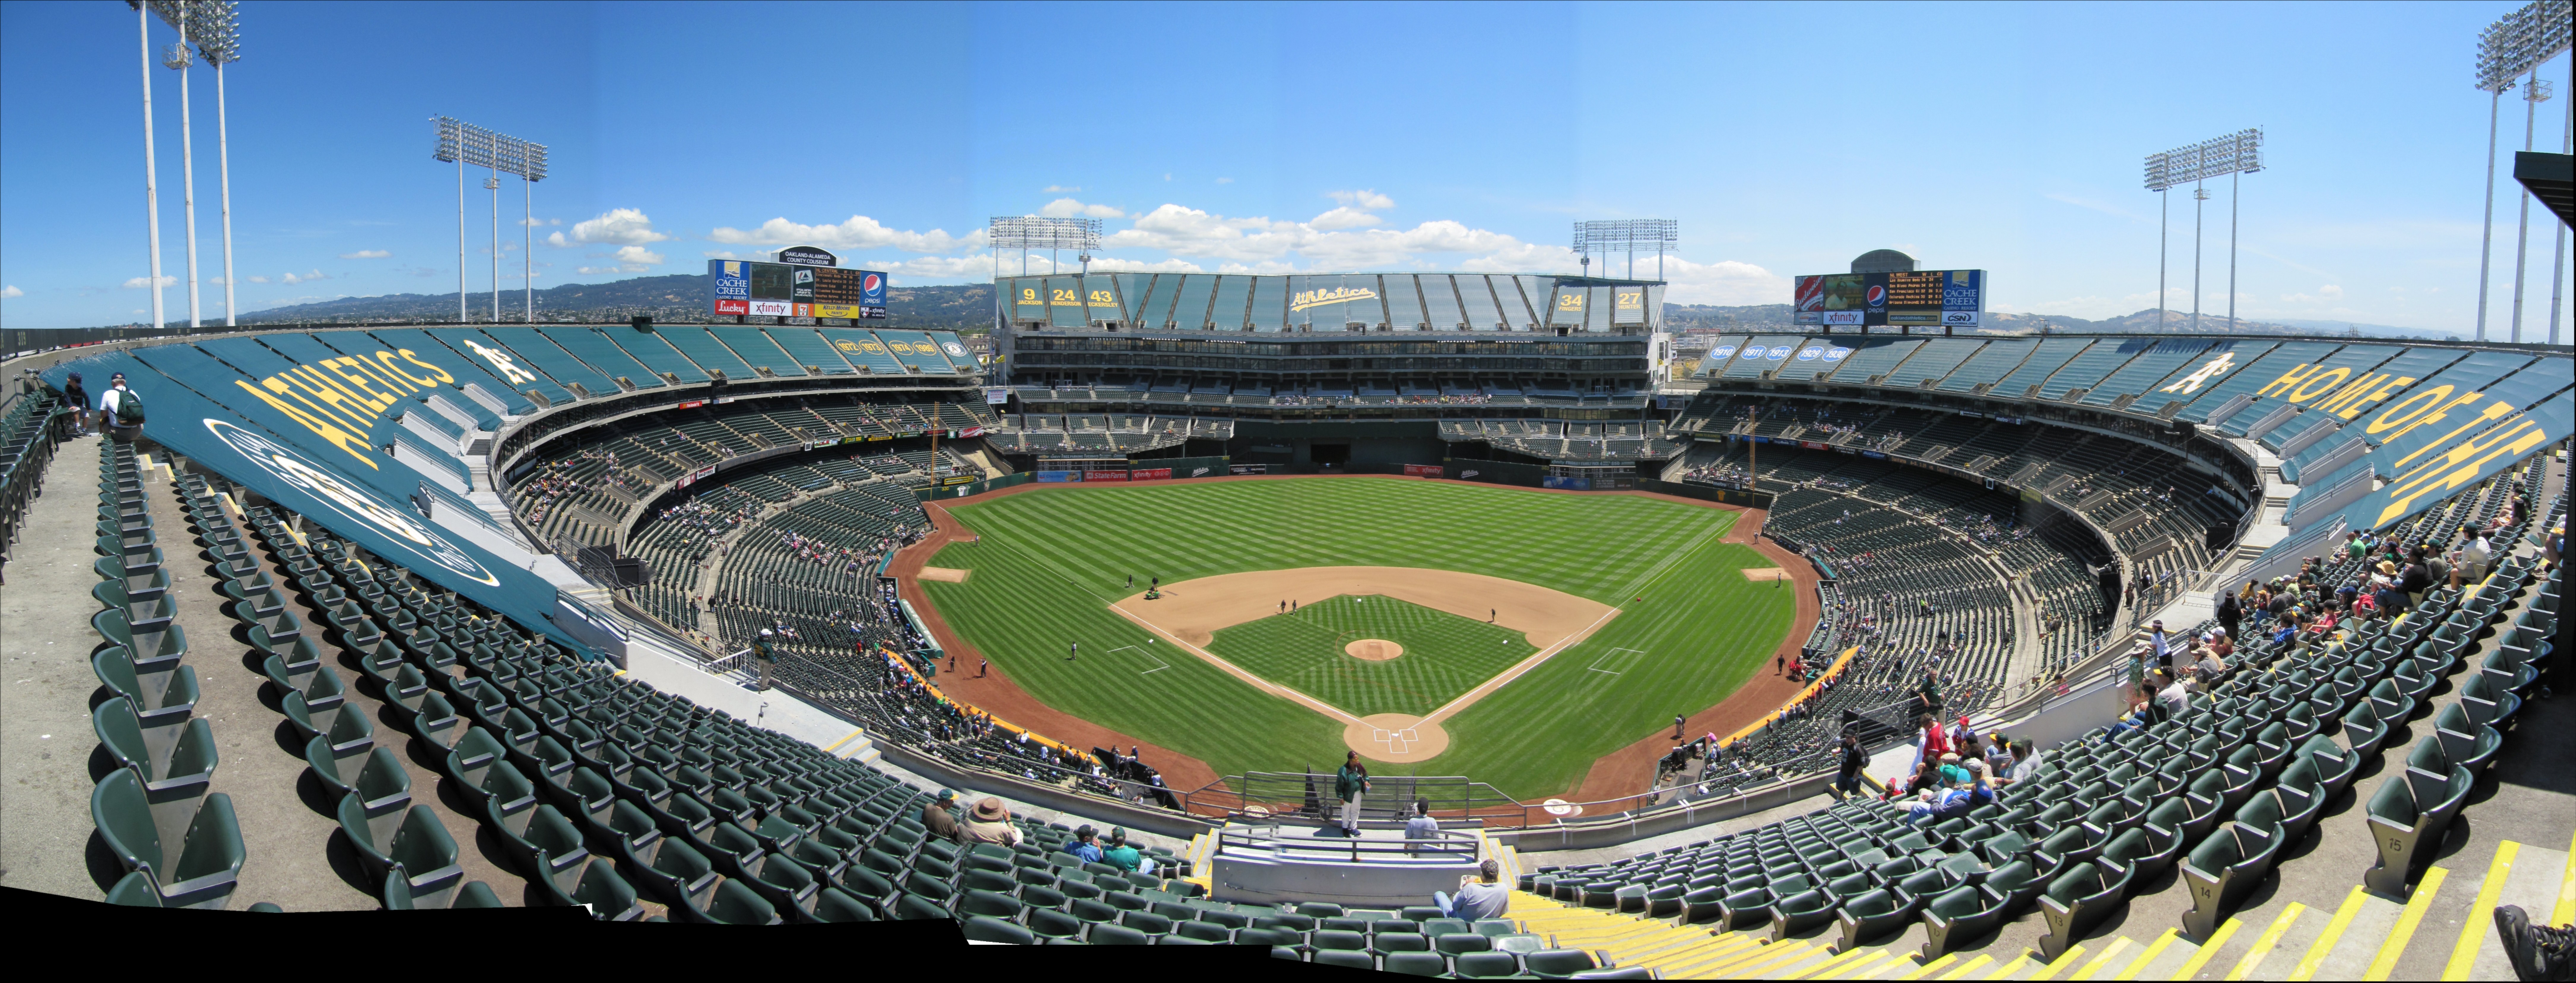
(1955, 298)
(738, 286)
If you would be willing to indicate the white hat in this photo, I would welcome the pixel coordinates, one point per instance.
(764, 633)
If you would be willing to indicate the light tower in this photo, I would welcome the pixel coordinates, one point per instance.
(215, 26)
(1629, 235)
(175, 13)
(2235, 154)
(2509, 48)
(151, 163)
(463, 143)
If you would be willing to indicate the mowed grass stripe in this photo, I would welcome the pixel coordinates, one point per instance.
(1052, 560)
(1444, 654)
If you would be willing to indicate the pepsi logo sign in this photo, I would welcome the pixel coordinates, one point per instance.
(1877, 296)
(872, 282)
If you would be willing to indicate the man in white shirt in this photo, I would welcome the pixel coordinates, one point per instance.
(1481, 896)
(2174, 698)
(2163, 649)
(2469, 562)
(1420, 826)
(107, 405)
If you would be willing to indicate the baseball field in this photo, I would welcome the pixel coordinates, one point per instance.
(1529, 633)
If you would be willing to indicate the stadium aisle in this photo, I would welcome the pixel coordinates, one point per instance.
(45, 735)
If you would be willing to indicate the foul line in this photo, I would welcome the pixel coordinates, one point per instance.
(1487, 687)
(1239, 672)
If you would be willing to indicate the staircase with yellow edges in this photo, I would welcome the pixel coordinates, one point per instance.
(2364, 938)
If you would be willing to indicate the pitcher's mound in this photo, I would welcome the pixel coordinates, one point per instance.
(1764, 575)
(1373, 649)
(1396, 737)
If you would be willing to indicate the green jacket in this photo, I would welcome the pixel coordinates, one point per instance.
(760, 650)
(1349, 783)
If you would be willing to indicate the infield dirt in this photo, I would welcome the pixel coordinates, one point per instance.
(1193, 610)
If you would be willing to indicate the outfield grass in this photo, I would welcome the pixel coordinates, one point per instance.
(1444, 655)
(1050, 561)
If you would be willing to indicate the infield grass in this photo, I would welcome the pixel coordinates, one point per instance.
(1444, 654)
(1050, 562)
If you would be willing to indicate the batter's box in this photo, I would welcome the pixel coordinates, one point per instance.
(1616, 661)
(1140, 656)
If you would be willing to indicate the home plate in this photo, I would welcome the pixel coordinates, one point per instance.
(1395, 737)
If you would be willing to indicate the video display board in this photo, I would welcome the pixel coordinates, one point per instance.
(1954, 298)
(738, 286)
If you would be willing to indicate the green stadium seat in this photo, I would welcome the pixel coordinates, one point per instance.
(835, 905)
(1103, 934)
(420, 857)
(2076, 901)
(2408, 815)
(199, 870)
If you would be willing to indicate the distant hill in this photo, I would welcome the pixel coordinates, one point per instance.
(1775, 317)
(680, 297)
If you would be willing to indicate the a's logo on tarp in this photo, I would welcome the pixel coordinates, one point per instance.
(357, 505)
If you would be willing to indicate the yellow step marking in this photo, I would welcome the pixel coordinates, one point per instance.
(1934, 966)
(2064, 960)
(836, 745)
(2266, 942)
(2012, 964)
(2404, 931)
(1847, 957)
(1731, 962)
(1962, 972)
(1759, 968)
(2154, 949)
(1694, 955)
(1871, 959)
(2191, 967)
(2325, 943)
(2566, 909)
(2117, 943)
(2479, 924)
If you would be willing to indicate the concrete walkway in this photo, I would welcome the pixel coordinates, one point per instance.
(45, 738)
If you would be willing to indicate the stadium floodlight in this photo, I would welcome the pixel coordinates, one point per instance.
(215, 25)
(464, 143)
(2513, 46)
(1629, 235)
(2230, 156)
(176, 13)
(151, 163)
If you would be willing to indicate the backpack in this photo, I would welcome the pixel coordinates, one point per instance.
(129, 410)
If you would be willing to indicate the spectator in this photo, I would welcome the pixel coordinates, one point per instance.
(113, 411)
(990, 823)
(2173, 699)
(1421, 826)
(1084, 846)
(940, 816)
(1848, 781)
(76, 396)
(1480, 896)
(1123, 856)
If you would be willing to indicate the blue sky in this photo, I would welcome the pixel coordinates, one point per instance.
(1786, 138)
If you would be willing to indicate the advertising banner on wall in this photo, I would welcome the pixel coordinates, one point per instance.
(738, 286)
(1104, 476)
(1423, 471)
(1059, 475)
(1247, 469)
(1568, 483)
(1150, 474)
(996, 396)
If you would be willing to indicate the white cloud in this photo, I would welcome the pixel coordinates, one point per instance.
(722, 254)
(630, 259)
(1069, 208)
(366, 254)
(1722, 282)
(617, 226)
(259, 279)
(11, 291)
(1362, 198)
(1344, 217)
(1058, 189)
(859, 232)
(142, 282)
(292, 278)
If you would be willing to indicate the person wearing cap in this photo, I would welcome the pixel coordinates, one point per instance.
(989, 823)
(1950, 771)
(2470, 563)
(764, 652)
(107, 405)
(1084, 846)
(1123, 855)
(2157, 640)
(940, 816)
(76, 396)
(1349, 784)
(1480, 895)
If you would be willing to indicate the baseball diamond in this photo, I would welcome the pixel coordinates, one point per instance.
(1276, 692)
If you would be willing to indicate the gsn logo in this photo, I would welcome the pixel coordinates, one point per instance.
(346, 499)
